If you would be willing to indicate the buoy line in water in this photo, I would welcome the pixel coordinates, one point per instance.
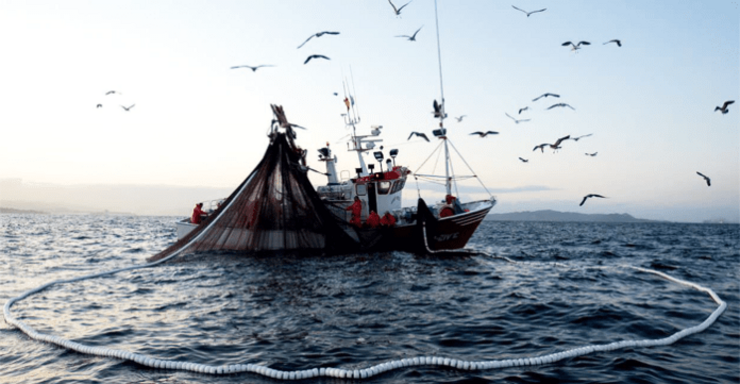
(371, 371)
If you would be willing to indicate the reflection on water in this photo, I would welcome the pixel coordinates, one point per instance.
(353, 311)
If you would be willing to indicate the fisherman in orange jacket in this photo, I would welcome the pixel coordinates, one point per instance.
(198, 214)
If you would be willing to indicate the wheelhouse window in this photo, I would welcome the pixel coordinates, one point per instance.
(361, 189)
(398, 185)
(384, 187)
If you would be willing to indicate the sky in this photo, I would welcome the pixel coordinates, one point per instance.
(648, 105)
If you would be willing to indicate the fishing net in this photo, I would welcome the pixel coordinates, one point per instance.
(274, 209)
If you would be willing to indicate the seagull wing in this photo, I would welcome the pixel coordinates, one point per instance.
(309, 38)
(423, 136)
(394, 7)
(567, 43)
(479, 133)
(560, 140)
(509, 116)
(552, 94)
(492, 133)
(584, 43)
(399, 9)
(727, 103)
(554, 105)
(583, 201)
(417, 31)
(539, 10)
(518, 9)
(523, 120)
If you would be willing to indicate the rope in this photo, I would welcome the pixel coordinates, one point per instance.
(374, 370)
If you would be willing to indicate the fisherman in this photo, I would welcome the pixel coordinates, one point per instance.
(387, 220)
(198, 214)
(356, 209)
(373, 220)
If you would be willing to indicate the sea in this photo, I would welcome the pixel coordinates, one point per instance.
(525, 289)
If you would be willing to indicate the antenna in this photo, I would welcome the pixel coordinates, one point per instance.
(439, 60)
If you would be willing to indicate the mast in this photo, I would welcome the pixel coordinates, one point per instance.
(442, 114)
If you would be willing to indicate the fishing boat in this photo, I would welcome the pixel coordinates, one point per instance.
(443, 224)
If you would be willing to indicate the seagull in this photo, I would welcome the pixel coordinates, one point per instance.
(724, 107)
(523, 160)
(545, 95)
(591, 154)
(575, 46)
(315, 57)
(561, 105)
(619, 43)
(515, 120)
(484, 134)
(523, 109)
(318, 35)
(254, 69)
(397, 11)
(459, 119)
(553, 146)
(128, 108)
(705, 178)
(590, 195)
(529, 13)
(99, 106)
(111, 92)
(438, 110)
(580, 137)
(560, 140)
(423, 136)
(412, 37)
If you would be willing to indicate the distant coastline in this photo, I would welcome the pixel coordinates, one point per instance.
(23, 211)
(557, 216)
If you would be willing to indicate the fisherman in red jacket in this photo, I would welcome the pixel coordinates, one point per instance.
(373, 220)
(387, 220)
(356, 209)
(198, 214)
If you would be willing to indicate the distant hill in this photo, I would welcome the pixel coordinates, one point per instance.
(550, 215)
(19, 211)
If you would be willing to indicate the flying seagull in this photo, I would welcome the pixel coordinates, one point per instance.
(545, 95)
(438, 110)
(588, 196)
(724, 107)
(575, 46)
(484, 134)
(591, 154)
(560, 105)
(99, 106)
(459, 119)
(412, 37)
(553, 146)
(128, 108)
(619, 43)
(315, 57)
(529, 13)
(580, 137)
(254, 69)
(423, 136)
(523, 160)
(112, 92)
(397, 11)
(705, 178)
(515, 120)
(523, 109)
(318, 35)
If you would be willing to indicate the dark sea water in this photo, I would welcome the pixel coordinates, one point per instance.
(535, 289)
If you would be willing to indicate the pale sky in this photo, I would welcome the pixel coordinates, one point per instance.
(649, 104)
